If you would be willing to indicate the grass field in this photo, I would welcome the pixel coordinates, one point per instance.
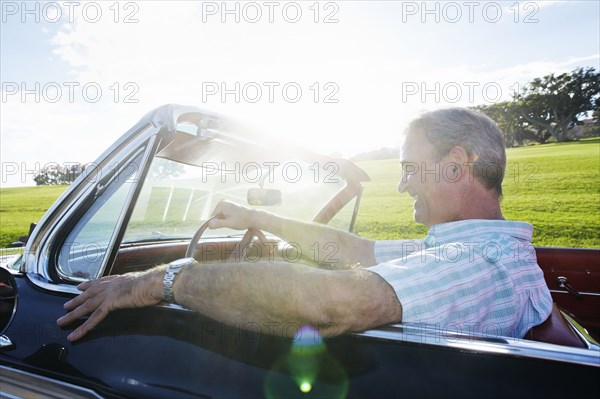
(556, 187)
(21, 206)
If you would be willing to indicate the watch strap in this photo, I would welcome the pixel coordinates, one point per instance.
(172, 270)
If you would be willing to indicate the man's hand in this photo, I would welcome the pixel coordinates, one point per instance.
(99, 297)
(232, 216)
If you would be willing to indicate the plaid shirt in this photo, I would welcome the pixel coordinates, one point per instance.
(470, 276)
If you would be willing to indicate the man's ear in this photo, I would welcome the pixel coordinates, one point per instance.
(458, 160)
(457, 164)
(458, 155)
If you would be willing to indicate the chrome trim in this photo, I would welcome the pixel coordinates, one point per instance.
(574, 249)
(5, 342)
(580, 292)
(42, 282)
(589, 341)
(484, 344)
(13, 284)
(16, 383)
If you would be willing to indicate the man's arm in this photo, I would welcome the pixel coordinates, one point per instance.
(270, 293)
(323, 243)
(334, 301)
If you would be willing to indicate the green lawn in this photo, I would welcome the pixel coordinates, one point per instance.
(556, 187)
(21, 206)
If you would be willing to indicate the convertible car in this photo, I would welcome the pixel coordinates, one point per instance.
(144, 202)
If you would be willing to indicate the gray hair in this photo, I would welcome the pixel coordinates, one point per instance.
(475, 132)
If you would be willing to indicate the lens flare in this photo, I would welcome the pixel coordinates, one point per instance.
(305, 387)
(308, 370)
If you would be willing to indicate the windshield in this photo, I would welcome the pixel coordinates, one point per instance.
(188, 177)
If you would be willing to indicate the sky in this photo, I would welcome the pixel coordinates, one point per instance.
(337, 77)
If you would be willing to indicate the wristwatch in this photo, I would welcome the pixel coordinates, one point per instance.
(174, 268)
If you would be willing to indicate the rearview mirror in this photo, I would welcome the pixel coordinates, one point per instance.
(264, 197)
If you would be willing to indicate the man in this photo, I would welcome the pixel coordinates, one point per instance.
(474, 271)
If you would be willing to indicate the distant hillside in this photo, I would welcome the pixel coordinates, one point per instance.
(374, 155)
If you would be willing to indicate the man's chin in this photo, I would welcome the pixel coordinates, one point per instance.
(419, 217)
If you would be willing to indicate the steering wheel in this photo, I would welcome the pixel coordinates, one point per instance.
(240, 249)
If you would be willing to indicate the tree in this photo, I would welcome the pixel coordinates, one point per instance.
(55, 174)
(514, 127)
(553, 103)
(164, 169)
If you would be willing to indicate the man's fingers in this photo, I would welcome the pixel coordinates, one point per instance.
(83, 304)
(75, 302)
(91, 290)
(85, 285)
(95, 319)
(228, 214)
(219, 208)
(216, 223)
(65, 320)
(105, 295)
(98, 312)
(83, 309)
(217, 216)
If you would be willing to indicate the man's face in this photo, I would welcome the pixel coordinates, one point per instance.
(431, 183)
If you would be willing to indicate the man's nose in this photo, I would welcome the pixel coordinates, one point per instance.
(409, 171)
(402, 184)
